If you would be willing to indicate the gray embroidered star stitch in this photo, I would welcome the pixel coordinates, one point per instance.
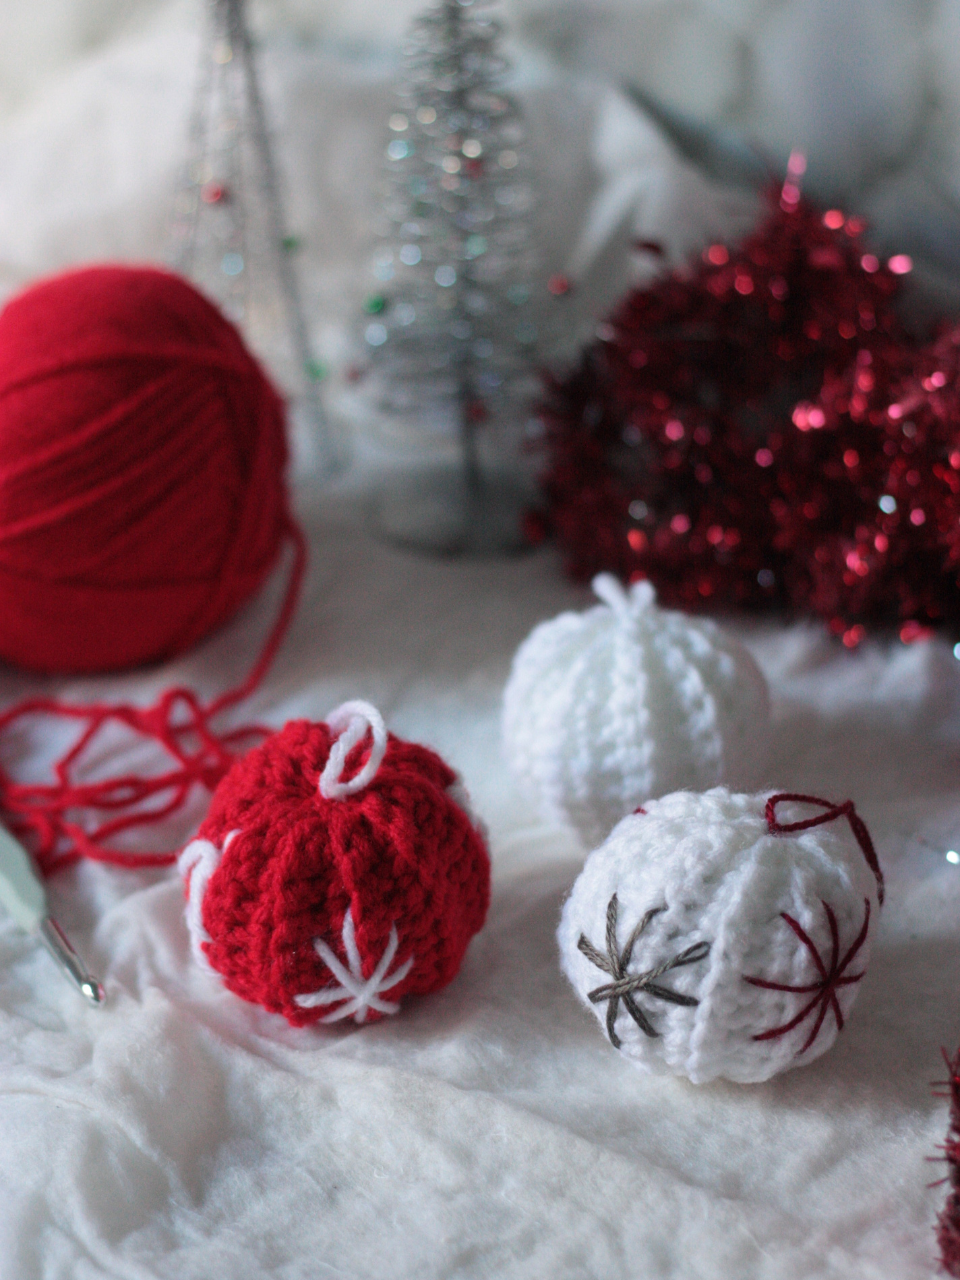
(626, 985)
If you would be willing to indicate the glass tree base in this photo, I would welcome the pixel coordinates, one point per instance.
(438, 512)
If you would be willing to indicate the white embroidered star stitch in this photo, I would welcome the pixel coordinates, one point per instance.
(358, 993)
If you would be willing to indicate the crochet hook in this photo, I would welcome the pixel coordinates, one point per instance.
(24, 896)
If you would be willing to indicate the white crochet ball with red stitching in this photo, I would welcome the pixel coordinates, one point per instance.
(338, 870)
(724, 935)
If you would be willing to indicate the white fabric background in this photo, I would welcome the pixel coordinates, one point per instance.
(489, 1131)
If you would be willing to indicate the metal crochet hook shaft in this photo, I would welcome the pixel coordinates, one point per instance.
(61, 948)
(24, 896)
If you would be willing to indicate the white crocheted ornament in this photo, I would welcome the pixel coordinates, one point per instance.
(724, 935)
(605, 709)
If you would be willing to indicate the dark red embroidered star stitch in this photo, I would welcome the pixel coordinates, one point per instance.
(825, 990)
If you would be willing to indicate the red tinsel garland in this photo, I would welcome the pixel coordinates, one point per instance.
(948, 1223)
(758, 428)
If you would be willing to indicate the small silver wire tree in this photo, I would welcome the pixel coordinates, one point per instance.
(228, 230)
(448, 328)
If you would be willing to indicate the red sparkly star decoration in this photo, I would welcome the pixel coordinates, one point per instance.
(948, 1223)
(758, 429)
(824, 989)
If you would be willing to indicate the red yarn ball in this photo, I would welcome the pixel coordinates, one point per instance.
(296, 899)
(142, 456)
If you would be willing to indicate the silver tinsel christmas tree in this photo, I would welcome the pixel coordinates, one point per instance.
(228, 230)
(447, 328)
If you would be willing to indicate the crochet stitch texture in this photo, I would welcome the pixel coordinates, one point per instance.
(605, 709)
(323, 903)
(749, 938)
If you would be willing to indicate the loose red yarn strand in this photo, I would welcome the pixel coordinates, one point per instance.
(39, 813)
(833, 811)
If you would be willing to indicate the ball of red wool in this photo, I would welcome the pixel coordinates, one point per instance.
(327, 909)
(142, 455)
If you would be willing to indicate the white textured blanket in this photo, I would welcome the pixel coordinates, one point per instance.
(489, 1131)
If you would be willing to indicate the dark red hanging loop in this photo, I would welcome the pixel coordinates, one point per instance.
(831, 813)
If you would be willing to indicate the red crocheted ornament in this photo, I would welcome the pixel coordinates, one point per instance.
(325, 900)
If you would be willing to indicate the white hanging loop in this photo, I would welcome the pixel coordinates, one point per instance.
(352, 720)
(611, 591)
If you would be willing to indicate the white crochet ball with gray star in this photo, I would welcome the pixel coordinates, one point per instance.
(605, 709)
(713, 936)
